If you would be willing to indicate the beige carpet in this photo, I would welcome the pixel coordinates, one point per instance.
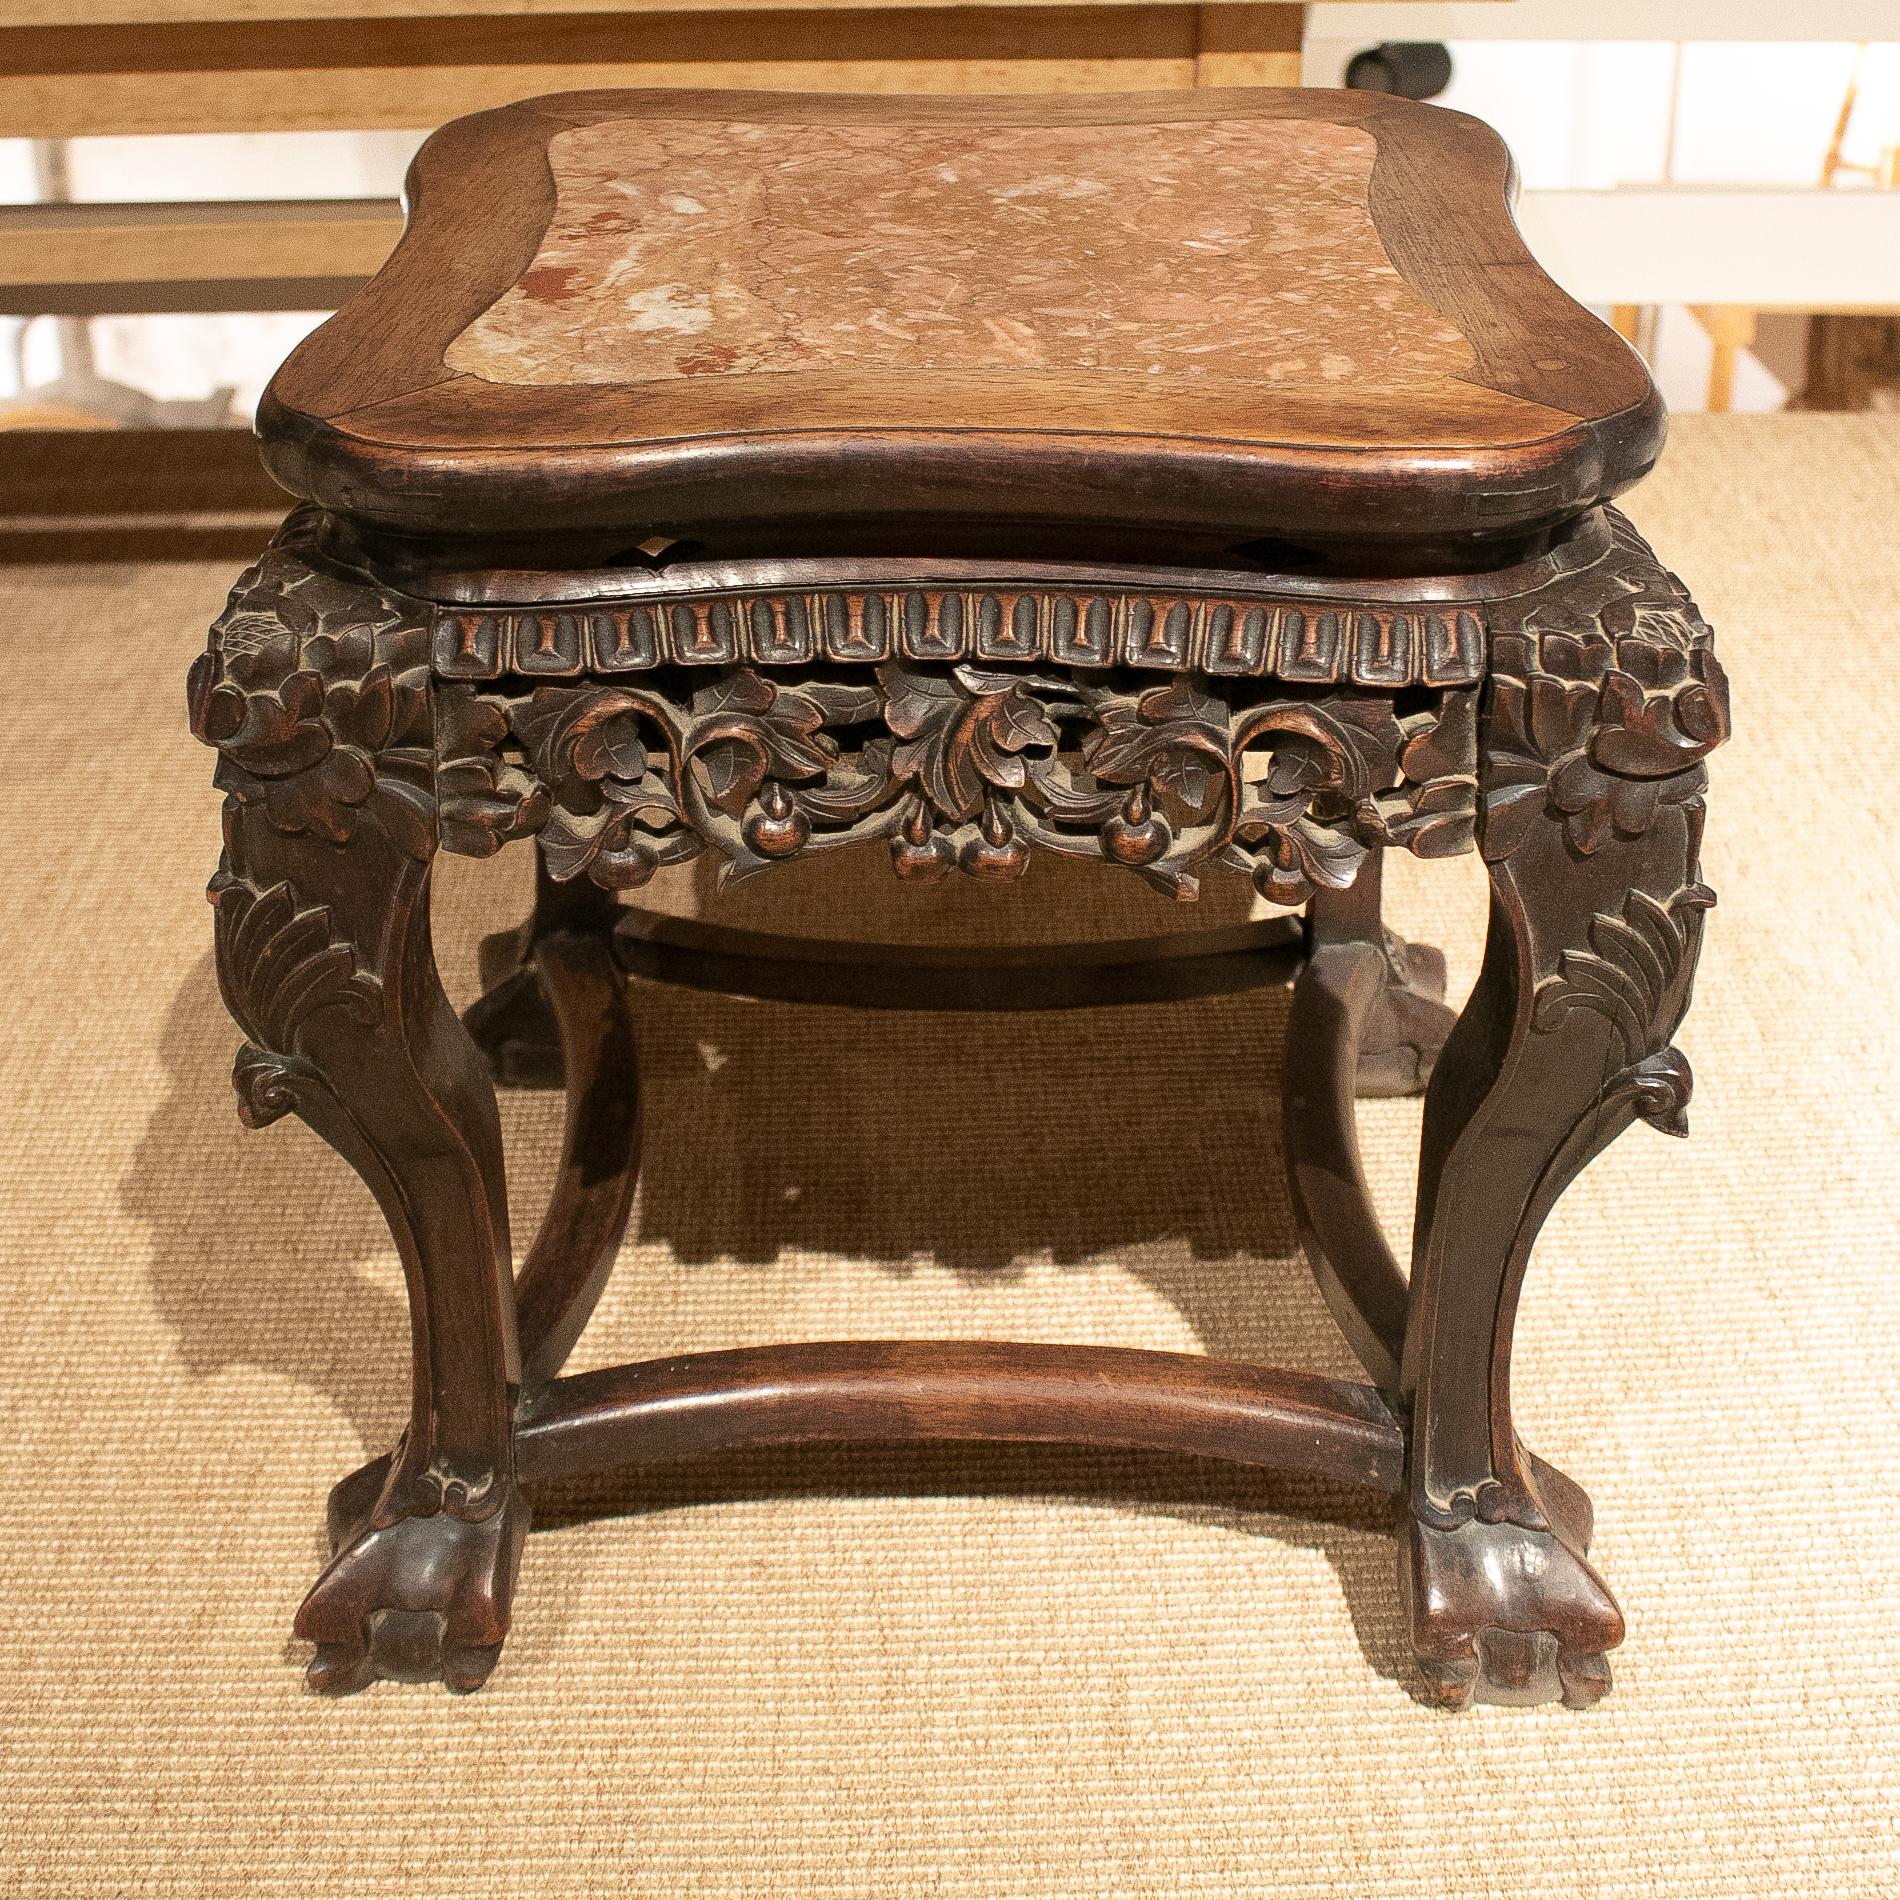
(1047, 1673)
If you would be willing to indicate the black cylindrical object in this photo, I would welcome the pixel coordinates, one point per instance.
(1417, 69)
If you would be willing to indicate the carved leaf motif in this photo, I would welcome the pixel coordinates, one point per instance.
(284, 964)
(968, 767)
(1433, 808)
(616, 813)
(1292, 858)
(1514, 803)
(1166, 735)
(611, 748)
(607, 844)
(963, 730)
(1441, 744)
(1302, 825)
(746, 729)
(1636, 971)
(483, 800)
(560, 727)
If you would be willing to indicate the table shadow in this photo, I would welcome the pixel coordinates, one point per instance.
(1090, 1140)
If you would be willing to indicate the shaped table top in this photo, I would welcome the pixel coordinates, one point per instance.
(1248, 312)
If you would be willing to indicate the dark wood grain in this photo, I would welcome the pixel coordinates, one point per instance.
(345, 766)
(872, 1390)
(891, 976)
(1593, 792)
(315, 692)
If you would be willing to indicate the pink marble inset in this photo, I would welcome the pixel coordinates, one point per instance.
(1240, 249)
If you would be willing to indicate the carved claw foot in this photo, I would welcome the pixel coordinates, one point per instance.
(1502, 1613)
(1408, 1024)
(410, 1597)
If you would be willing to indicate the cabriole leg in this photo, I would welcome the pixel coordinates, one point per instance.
(1604, 697)
(1336, 997)
(315, 692)
(554, 1014)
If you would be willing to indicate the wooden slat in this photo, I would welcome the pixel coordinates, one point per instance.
(96, 13)
(187, 12)
(187, 296)
(1249, 46)
(60, 82)
(893, 1390)
(112, 472)
(102, 243)
(134, 494)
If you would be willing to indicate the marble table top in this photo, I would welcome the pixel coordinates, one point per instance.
(1206, 313)
(1242, 250)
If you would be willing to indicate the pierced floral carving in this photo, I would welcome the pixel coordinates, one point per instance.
(1604, 700)
(482, 800)
(963, 767)
(965, 731)
(315, 692)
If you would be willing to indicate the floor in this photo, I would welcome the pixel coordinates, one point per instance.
(961, 1672)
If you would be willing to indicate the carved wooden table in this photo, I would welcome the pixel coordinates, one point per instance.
(1201, 484)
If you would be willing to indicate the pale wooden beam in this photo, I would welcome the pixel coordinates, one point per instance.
(101, 494)
(1731, 329)
(179, 243)
(359, 75)
(1249, 45)
(97, 13)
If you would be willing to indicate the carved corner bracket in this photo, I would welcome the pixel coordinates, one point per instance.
(314, 692)
(1605, 696)
(314, 689)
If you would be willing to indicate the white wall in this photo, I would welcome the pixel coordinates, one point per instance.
(1605, 20)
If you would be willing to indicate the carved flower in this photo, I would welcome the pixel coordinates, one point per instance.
(1661, 621)
(1606, 726)
(1662, 711)
(313, 729)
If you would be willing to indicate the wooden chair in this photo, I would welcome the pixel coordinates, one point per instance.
(1197, 484)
